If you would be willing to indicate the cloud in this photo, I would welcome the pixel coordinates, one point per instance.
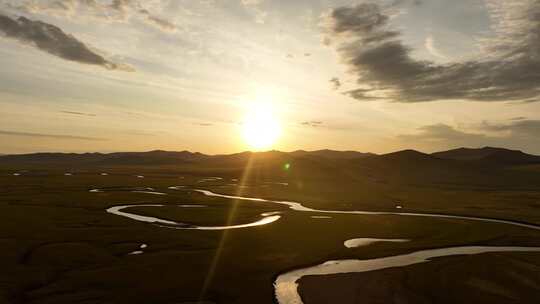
(517, 128)
(429, 44)
(251, 2)
(336, 83)
(158, 22)
(253, 6)
(442, 133)
(521, 134)
(121, 5)
(57, 8)
(115, 10)
(53, 136)
(77, 113)
(402, 2)
(68, 8)
(312, 123)
(204, 124)
(53, 40)
(385, 70)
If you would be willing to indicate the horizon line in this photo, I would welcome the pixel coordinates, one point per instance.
(267, 151)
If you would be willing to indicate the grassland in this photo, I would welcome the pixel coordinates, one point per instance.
(60, 246)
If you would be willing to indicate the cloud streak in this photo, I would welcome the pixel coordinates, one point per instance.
(53, 136)
(203, 124)
(385, 70)
(77, 113)
(158, 22)
(51, 39)
(312, 123)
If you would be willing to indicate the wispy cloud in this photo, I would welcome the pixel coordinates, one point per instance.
(444, 134)
(53, 136)
(517, 128)
(114, 11)
(251, 2)
(158, 22)
(77, 113)
(312, 123)
(429, 44)
(203, 124)
(254, 6)
(336, 83)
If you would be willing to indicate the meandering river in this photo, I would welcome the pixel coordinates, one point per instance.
(299, 207)
(286, 285)
(117, 210)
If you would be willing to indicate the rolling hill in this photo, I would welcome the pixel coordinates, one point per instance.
(489, 155)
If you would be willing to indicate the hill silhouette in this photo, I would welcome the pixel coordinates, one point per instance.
(489, 154)
(484, 156)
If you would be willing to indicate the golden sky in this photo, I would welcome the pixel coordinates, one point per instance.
(225, 76)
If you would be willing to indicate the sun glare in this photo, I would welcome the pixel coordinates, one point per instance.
(261, 127)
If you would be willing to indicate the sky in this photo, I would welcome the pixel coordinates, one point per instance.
(371, 76)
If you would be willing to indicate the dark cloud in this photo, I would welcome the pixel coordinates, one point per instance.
(312, 123)
(53, 136)
(336, 83)
(53, 40)
(385, 69)
(77, 113)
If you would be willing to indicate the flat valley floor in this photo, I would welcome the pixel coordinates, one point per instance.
(60, 245)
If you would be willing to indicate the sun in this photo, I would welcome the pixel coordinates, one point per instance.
(261, 127)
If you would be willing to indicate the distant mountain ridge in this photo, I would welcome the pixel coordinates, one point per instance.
(123, 158)
(487, 155)
(406, 155)
(333, 154)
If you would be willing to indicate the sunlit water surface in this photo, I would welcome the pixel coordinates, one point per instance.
(286, 285)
